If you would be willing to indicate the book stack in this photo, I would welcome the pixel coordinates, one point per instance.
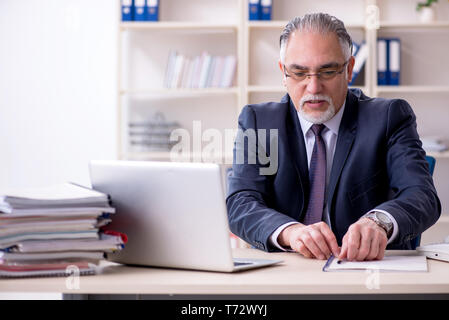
(54, 230)
(203, 71)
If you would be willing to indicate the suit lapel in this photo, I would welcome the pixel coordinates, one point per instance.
(299, 155)
(346, 136)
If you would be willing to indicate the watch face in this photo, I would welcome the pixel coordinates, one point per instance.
(383, 218)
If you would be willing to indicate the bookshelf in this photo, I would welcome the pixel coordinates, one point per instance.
(223, 28)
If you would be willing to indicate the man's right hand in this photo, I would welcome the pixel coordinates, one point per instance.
(312, 241)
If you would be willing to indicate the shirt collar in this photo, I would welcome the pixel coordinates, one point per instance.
(332, 124)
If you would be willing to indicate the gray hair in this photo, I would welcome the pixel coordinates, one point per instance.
(322, 23)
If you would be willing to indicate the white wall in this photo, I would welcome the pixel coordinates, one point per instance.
(57, 89)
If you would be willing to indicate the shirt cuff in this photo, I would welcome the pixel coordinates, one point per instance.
(395, 224)
(274, 236)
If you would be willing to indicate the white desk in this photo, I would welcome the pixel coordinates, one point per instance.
(296, 276)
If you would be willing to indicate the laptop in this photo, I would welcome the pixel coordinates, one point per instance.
(437, 251)
(174, 214)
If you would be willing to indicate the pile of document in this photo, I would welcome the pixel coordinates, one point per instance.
(433, 144)
(55, 231)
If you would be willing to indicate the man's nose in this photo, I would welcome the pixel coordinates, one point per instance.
(314, 84)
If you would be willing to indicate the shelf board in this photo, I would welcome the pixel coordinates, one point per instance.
(275, 89)
(280, 89)
(178, 25)
(180, 91)
(413, 25)
(442, 154)
(280, 24)
(417, 89)
(165, 156)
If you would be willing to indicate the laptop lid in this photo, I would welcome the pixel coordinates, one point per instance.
(174, 214)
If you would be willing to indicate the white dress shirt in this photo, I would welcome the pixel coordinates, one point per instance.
(329, 135)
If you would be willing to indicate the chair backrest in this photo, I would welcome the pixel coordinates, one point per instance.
(431, 161)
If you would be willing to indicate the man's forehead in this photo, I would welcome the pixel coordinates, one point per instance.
(307, 47)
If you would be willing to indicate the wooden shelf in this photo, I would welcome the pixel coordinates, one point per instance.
(255, 44)
(165, 156)
(280, 24)
(414, 25)
(181, 91)
(443, 154)
(275, 89)
(178, 25)
(413, 89)
(280, 89)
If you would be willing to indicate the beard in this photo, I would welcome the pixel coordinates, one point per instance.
(322, 117)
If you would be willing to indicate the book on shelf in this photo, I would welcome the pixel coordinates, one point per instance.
(127, 10)
(152, 10)
(265, 9)
(360, 55)
(48, 230)
(388, 61)
(254, 9)
(139, 10)
(260, 9)
(202, 71)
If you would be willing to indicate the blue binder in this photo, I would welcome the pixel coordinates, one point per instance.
(127, 10)
(355, 48)
(139, 10)
(265, 9)
(382, 77)
(152, 10)
(394, 61)
(360, 57)
(254, 6)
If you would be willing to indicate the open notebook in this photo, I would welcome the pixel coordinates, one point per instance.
(409, 263)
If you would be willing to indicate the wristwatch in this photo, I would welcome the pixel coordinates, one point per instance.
(382, 220)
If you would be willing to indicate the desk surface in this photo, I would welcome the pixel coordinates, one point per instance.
(295, 276)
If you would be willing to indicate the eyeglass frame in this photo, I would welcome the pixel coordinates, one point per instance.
(317, 74)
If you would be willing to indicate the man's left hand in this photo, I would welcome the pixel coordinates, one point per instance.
(365, 240)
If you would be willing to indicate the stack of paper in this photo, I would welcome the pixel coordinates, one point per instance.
(433, 144)
(51, 230)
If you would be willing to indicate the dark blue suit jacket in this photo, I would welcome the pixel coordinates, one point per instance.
(378, 163)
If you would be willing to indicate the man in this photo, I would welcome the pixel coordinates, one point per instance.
(351, 178)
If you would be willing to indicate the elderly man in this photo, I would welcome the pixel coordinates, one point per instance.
(351, 178)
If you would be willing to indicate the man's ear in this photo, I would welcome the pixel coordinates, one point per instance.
(284, 78)
(350, 68)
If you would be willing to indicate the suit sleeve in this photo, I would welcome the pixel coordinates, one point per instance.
(250, 218)
(415, 204)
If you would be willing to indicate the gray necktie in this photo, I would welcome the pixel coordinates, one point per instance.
(317, 177)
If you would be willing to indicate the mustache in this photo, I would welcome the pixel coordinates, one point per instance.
(311, 97)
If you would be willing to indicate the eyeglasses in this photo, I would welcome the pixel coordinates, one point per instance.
(322, 74)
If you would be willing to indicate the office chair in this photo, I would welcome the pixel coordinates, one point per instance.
(431, 161)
